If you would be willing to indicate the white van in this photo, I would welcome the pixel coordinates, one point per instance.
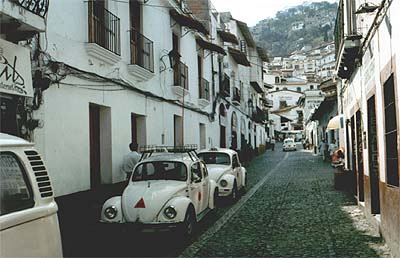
(28, 212)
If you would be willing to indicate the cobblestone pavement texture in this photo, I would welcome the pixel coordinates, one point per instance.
(290, 209)
(295, 213)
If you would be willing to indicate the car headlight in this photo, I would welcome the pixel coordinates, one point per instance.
(223, 183)
(111, 212)
(170, 212)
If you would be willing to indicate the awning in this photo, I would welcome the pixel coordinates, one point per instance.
(228, 37)
(239, 57)
(335, 123)
(188, 21)
(210, 46)
(256, 86)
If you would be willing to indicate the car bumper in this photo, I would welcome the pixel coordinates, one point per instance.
(141, 227)
(224, 191)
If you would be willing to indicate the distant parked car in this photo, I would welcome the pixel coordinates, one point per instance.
(166, 191)
(289, 144)
(28, 213)
(224, 168)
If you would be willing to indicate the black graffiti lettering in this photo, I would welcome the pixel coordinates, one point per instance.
(16, 77)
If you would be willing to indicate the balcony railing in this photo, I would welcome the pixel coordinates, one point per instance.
(38, 7)
(142, 51)
(104, 27)
(225, 86)
(236, 95)
(339, 29)
(204, 90)
(181, 73)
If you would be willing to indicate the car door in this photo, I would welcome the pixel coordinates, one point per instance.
(205, 186)
(195, 189)
(236, 169)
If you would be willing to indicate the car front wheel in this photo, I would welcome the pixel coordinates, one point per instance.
(189, 224)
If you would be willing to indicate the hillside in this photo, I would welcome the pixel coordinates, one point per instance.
(307, 25)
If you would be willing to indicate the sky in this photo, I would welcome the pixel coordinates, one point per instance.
(252, 11)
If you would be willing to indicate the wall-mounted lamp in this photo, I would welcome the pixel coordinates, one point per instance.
(366, 8)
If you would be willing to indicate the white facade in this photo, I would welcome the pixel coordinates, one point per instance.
(101, 100)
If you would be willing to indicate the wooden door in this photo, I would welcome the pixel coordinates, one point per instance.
(94, 131)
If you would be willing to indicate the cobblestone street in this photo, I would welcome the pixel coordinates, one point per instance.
(290, 209)
(295, 213)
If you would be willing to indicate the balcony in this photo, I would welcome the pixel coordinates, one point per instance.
(347, 47)
(225, 86)
(204, 92)
(236, 97)
(258, 116)
(181, 73)
(22, 19)
(142, 56)
(104, 34)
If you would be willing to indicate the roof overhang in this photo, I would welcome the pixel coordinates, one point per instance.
(239, 57)
(323, 108)
(228, 37)
(268, 86)
(188, 21)
(263, 54)
(210, 46)
(246, 33)
(256, 86)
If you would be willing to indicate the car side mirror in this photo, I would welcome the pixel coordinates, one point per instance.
(195, 178)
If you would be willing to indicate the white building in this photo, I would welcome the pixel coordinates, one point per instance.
(367, 47)
(132, 71)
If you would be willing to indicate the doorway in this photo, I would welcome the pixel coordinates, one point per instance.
(360, 161)
(202, 132)
(178, 131)
(94, 128)
(373, 157)
(138, 129)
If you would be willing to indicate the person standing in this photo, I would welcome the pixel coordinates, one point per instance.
(332, 148)
(273, 143)
(130, 160)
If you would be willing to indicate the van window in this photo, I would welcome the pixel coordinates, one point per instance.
(16, 192)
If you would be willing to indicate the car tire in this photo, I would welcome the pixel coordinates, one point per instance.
(217, 199)
(189, 224)
(234, 194)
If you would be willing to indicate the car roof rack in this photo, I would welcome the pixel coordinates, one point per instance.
(148, 150)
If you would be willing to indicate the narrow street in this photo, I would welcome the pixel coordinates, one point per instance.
(289, 209)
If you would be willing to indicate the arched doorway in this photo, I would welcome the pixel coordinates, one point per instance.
(222, 126)
(234, 131)
(242, 133)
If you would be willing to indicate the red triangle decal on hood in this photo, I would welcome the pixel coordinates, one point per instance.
(140, 204)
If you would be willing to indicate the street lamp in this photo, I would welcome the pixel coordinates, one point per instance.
(174, 57)
(366, 8)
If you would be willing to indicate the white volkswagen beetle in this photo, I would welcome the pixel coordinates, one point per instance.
(166, 191)
(224, 168)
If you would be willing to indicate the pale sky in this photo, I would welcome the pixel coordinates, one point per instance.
(252, 11)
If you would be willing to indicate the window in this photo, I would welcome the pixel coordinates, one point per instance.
(392, 163)
(277, 79)
(311, 87)
(215, 158)
(160, 170)
(243, 46)
(298, 89)
(16, 193)
(277, 88)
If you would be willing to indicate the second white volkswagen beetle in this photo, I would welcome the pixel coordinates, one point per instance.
(224, 168)
(166, 191)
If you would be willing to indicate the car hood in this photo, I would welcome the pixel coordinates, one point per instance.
(217, 171)
(155, 194)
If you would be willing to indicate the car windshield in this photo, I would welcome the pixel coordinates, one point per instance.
(160, 170)
(289, 141)
(215, 158)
